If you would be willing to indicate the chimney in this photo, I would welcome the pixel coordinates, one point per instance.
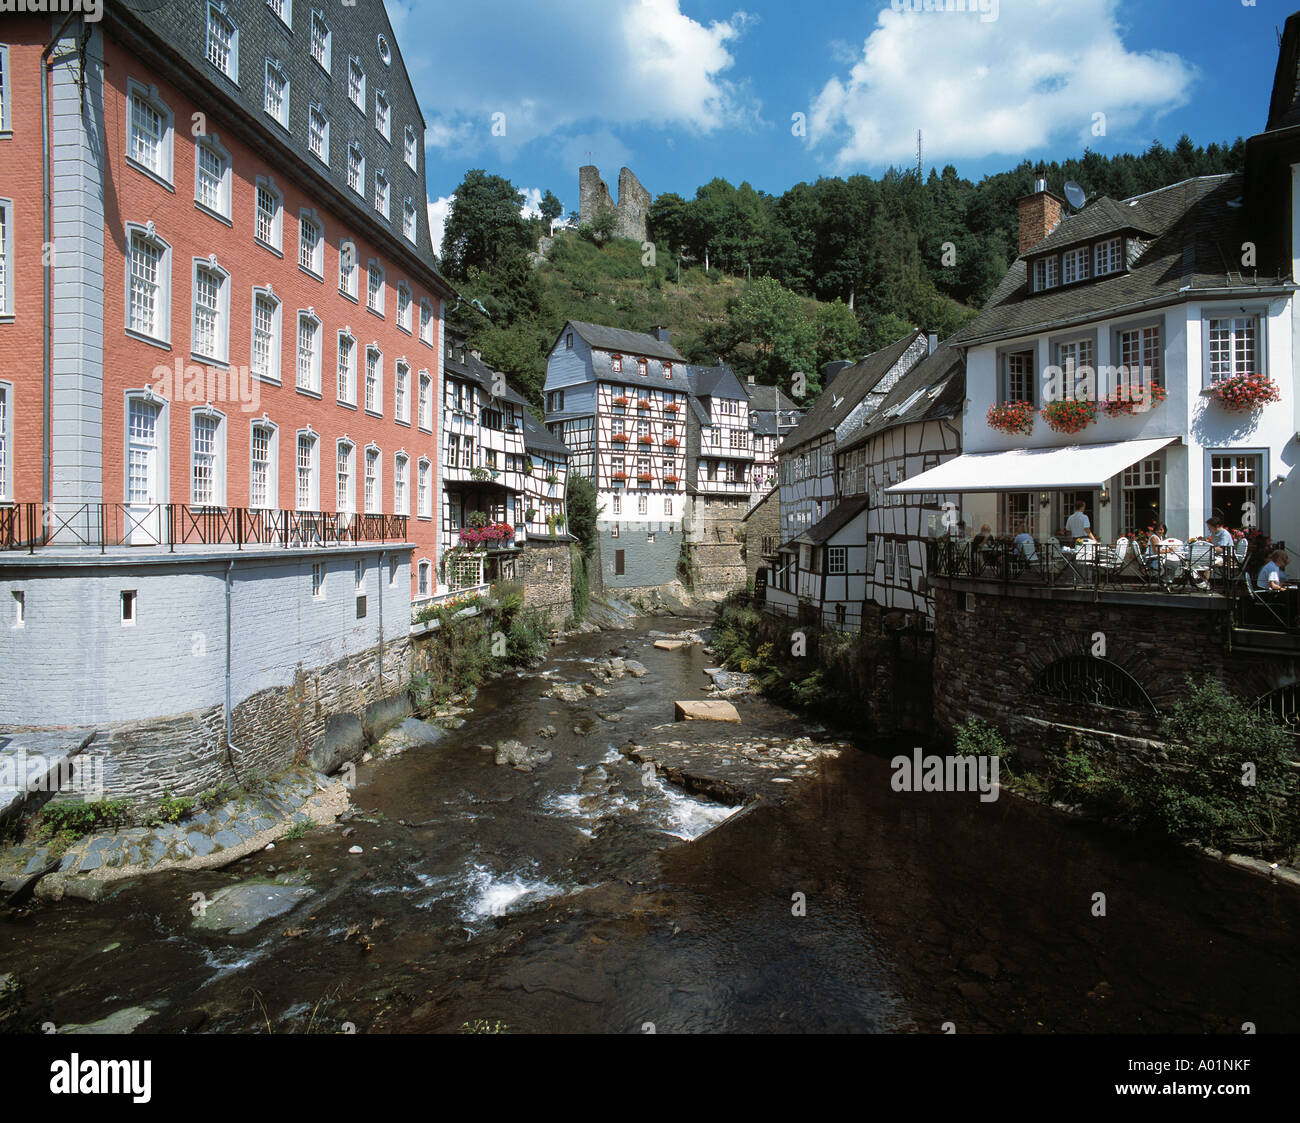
(831, 369)
(1040, 214)
(662, 334)
(932, 340)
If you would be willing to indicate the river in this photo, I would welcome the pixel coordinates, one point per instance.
(578, 899)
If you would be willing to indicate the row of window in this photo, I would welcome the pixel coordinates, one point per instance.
(1099, 259)
(150, 147)
(208, 466)
(642, 506)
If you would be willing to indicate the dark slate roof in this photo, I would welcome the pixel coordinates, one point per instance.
(537, 438)
(1284, 106)
(623, 342)
(763, 423)
(1196, 240)
(768, 399)
(719, 381)
(475, 370)
(1100, 218)
(943, 371)
(837, 520)
(850, 386)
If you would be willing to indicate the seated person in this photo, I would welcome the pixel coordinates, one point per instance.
(1273, 574)
(983, 538)
(1023, 544)
(1219, 538)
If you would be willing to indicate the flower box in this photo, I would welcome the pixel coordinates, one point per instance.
(646, 440)
(643, 404)
(645, 477)
(1133, 399)
(621, 401)
(1245, 391)
(497, 534)
(672, 442)
(621, 438)
(1011, 417)
(1069, 416)
(672, 407)
(618, 477)
(672, 481)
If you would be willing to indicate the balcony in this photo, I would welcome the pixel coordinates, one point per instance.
(169, 525)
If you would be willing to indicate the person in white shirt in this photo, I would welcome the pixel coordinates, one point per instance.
(1078, 525)
(1220, 539)
(1273, 574)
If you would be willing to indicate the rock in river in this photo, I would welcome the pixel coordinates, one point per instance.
(520, 757)
(241, 908)
(713, 709)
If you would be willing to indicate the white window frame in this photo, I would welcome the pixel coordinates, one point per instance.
(318, 18)
(1108, 257)
(383, 193)
(404, 306)
(373, 396)
(211, 144)
(410, 220)
(425, 403)
(164, 173)
(6, 258)
(314, 111)
(423, 571)
(313, 372)
(350, 397)
(271, 499)
(837, 561)
(231, 69)
(316, 269)
(373, 480)
(426, 322)
(424, 489)
(1236, 328)
(6, 442)
(402, 391)
(220, 352)
(6, 97)
(410, 149)
(375, 295)
(272, 372)
(401, 484)
(383, 115)
(283, 10)
(163, 299)
(282, 117)
(276, 235)
(345, 477)
(218, 464)
(359, 100)
(348, 279)
(356, 169)
(1075, 265)
(318, 575)
(313, 470)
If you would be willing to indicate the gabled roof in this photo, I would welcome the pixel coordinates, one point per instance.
(538, 438)
(843, 514)
(934, 388)
(850, 386)
(768, 399)
(1099, 219)
(717, 382)
(1284, 105)
(623, 342)
(468, 368)
(1198, 227)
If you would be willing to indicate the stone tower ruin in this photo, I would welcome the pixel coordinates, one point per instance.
(631, 210)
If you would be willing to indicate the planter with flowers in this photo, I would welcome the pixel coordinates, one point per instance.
(619, 477)
(1011, 417)
(1245, 391)
(646, 439)
(644, 477)
(494, 534)
(672, 481)
(1133, 399)
(619, 438)
(1069, 416)
(643, 404)
(672, 407)
(672, 442)
(621, 401)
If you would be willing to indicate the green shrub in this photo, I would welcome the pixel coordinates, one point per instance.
(978, 737)
(75, 818)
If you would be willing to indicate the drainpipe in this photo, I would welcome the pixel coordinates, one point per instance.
(379, 580)
(47, 389)
(231, 747)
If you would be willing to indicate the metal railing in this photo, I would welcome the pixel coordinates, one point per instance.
(30, 527)
(1198, 566)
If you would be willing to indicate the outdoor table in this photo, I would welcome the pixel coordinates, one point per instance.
(1077, 558)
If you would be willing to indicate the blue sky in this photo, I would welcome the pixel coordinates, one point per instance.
(684, 90)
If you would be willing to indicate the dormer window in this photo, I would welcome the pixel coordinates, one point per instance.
(668, 372)
(641, 367)
(616, 364)
(1047, 273)
(1074, 265)
(1109, 257)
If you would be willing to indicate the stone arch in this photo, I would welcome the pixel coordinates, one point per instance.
(1085, 679)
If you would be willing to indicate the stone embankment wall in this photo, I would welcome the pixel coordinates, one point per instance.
(547, 578)
(713, 533)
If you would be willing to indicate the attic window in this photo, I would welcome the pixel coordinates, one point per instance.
(668, 371)
(616, 364)
(1047, 273)
(1074, 265)
(641, 367)
(384, 52)
(568, 342)
(1109, 257)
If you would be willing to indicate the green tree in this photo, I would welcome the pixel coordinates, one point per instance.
(484, 229)
(551, 207)
(580, 502)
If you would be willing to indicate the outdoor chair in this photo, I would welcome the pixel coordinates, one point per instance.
(1267, 610)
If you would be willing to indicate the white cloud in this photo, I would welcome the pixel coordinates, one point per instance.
(532, 207)
(979, 87)
(549, 68)
(439, 212)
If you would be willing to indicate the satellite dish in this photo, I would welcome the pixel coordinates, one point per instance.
(1075, 196)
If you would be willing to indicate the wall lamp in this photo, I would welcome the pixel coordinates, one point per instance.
(1105, 497)
(1044, 500)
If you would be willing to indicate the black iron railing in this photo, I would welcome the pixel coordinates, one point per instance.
(31, 527)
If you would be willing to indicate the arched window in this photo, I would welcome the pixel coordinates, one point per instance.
(1086, 680)
(1283, 706)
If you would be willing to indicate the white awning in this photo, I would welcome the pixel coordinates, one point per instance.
(1034, 469)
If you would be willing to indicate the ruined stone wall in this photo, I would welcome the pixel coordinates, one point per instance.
(631, 212)
(713, 536)
(764, 521)
(546, 575)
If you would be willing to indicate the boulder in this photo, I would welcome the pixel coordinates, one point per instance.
(521, 757)
(670, 644)
(381, 715)
(344, 739)
(241, 908)
(711, 709)
(635, 669)
(409, 734)
(566, 692)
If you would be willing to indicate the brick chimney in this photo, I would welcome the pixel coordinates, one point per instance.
(1040, 214)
